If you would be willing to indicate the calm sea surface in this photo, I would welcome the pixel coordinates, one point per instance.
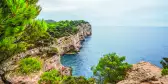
(136, 43)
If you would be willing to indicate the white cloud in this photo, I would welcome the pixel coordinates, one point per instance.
(110, 12)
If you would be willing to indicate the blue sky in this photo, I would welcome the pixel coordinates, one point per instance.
(108, 12)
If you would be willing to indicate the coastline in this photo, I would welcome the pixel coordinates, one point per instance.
(50, 61)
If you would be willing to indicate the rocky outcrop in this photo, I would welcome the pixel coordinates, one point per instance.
(50, 56)
(144, 73)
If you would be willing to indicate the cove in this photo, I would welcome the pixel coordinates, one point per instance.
(136, 43)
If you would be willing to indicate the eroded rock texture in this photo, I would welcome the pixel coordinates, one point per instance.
(144, 73)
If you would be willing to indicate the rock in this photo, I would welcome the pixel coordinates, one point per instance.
(144, 73)
(23, 79)
(164, 79)
(52, 63)
(63, 45)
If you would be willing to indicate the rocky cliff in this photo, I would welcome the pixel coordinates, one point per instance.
(144, 73)
(50, 56)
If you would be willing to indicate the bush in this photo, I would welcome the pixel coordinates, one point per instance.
(68, 80)
(111, 69)
(92, 80)
(77, 80)
(54, 77)
(29, 65)
(64, 28)
(164, 63)
(50, 77)
(164, 71)
(82, 80)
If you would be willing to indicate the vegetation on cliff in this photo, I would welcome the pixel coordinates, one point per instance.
(29, 65)
(19, 30)
(164, 63)
(54, 77)
(50, 77)
(111, 69)
(63, 28)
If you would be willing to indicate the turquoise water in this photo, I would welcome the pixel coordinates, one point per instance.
(136, 43)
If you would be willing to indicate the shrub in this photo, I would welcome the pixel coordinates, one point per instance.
(29, 65)
(50, 77)
(64, 28)
(77, 80)
(92, 80)
(82, 80)
(68, 80)
(111, 69)
(164, 63)
(164, 71)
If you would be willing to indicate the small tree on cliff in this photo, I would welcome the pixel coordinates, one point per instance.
(110, 69)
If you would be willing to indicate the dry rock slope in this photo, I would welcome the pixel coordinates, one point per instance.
(144, 73)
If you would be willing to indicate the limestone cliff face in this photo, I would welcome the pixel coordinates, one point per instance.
(50, 61)
(144, 73)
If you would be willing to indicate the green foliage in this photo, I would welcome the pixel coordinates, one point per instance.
(14, 17)
(83, 80)
(92, 80)
(164, 63)
(29, 65)
(8, 48)
(16, 14)
(77, 80)
(54, 77)
(50, 77)
(64, 28)
(35, 33)
(68, 80)
(165, 71)
(52, 51)
(111, 69)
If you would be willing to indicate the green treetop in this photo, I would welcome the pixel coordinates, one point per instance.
(15, 15)
(111, 69)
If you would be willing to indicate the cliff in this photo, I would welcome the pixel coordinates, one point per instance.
(144, 73)
(50, 56)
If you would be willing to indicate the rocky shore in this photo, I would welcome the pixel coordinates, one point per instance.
(8, 69)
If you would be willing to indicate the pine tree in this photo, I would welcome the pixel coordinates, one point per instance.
(110, 69)
(15, 15)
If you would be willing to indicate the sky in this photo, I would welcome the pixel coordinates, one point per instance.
(108, 12)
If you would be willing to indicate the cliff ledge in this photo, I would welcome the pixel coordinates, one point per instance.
(144, 73)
